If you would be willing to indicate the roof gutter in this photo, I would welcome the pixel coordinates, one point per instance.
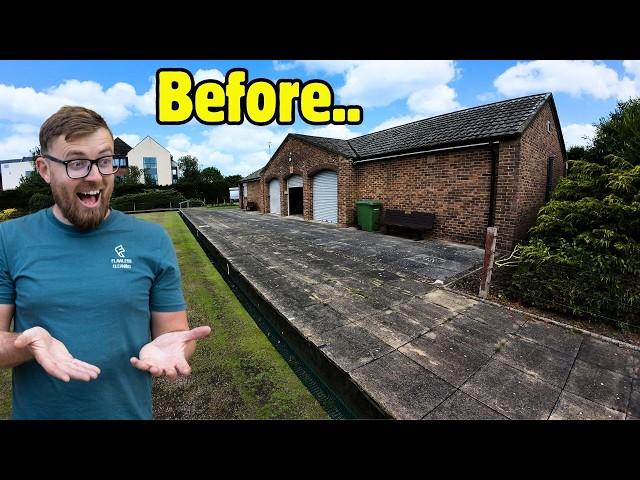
(458, 147)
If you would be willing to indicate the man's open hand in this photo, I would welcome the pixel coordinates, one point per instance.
(166, 354)
(54, 357)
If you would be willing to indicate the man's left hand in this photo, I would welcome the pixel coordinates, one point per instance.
(166, 354)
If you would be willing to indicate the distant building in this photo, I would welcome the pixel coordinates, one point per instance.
(12, 170)
(153, 160)
(234, 194)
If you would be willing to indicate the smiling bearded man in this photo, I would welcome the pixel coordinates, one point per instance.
(82, 281)
(83, 202)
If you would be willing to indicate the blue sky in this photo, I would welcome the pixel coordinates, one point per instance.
(390, 92)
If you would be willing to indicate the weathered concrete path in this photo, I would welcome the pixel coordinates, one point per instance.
(365, 302)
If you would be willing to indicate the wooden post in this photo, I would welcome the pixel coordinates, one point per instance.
(487, 267)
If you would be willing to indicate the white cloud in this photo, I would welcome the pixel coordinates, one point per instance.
(130, 139)
(17, 146)
(116, 103)
(574, 77)
(233, 149)
(487, 97)
(632, 67)
(332, 131)
(377, 83)
(213, 74)
(433, 101)
(574, 134)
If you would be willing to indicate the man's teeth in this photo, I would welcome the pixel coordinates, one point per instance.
(92, 192)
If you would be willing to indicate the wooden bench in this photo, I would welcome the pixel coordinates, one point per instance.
(251, 206)
(418, 221)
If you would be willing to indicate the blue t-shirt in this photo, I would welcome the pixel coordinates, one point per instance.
(94, 291)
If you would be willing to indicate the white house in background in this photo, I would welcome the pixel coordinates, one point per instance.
(153, 159)
(12, 170)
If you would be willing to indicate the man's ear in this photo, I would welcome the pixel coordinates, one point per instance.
(43, 169)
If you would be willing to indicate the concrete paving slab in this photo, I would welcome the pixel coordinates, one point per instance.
(411, 287)
(393, 327)
(476, 334)
(541, 362)
(461, 406)
(401, 386)
(452, 361)
(573, 407)
(350, 346)
(599, 385)
(552, 336)
(451, 301)
(429, 315)
(511, 392)
(318, 318)
(620, 360)
(497, 317)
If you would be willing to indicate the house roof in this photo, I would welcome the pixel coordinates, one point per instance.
(483, 123)
(335, 145)
(252, 176)
(120, 147)
(491, 122)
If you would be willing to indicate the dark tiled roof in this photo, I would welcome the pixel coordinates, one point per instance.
(486, 122)
(252, 176)
(464, 127)
(120, 147)
(335, 145)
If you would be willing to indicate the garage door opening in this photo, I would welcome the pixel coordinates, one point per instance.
(274, 197)
(325, 196)
(294, 186)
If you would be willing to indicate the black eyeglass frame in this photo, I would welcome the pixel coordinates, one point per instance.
(92, 163)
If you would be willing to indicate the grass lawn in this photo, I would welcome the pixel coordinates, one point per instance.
(237, 373)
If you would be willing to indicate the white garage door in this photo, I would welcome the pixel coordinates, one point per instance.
(325, 196)
(294, 181)
(274, 196)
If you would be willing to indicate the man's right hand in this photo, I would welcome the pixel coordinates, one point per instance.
(54, 357)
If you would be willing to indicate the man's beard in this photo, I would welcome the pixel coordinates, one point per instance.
(81, 217)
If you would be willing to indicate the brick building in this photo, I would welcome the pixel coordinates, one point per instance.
(492, 165)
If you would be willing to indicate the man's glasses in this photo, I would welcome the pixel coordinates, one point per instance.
(80, 167)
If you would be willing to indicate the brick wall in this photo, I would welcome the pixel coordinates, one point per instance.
(453, 185)
(536, 146)
(254, 194)
(306, 161)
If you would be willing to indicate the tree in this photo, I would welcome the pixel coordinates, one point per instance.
(34, 180)
(149, 179)
(133, 177)
(211, 174)
(188, 166)
(583, 254)
(233, 180)
(576, 153)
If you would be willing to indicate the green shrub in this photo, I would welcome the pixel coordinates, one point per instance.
(583, 254)
(38, 201)
(149, 199)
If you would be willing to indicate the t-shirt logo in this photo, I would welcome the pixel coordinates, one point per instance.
(121, 262)
(120, 250)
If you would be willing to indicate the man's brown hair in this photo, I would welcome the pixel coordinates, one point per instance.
(72, 122)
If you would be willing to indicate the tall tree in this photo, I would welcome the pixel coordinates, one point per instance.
(188, 166)
(211, 174)
(133, 177)
(233, 180)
